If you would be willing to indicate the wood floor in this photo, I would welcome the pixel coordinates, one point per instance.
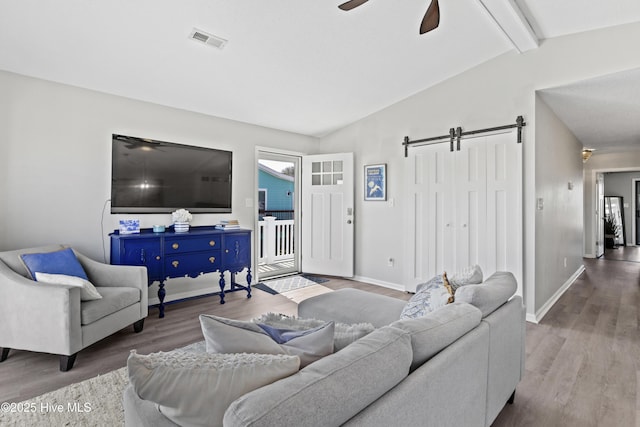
(582, 360)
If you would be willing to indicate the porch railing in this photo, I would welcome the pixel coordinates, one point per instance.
(276, 240)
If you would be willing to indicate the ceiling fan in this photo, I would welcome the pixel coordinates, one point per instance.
(429, 22)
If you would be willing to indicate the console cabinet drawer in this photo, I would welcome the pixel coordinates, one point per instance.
(192, 264)
(178, 245)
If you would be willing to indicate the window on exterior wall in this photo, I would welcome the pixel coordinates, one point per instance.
(326, 173)
(262, 199)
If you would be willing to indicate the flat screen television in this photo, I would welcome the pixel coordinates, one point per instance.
(149, 176)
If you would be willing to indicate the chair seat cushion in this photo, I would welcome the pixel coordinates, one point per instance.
(113, 299)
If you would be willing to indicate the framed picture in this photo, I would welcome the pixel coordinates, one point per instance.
(375, 182)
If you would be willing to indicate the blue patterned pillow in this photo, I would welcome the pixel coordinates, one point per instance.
(58, 262)
(428, 297)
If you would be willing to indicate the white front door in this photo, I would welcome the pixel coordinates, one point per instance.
(327, 214)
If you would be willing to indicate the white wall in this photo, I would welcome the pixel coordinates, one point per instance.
(559, 226)
(57, 150)
(4, 169)
(603, 161)
(491, 94)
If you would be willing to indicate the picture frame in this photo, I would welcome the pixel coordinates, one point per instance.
(375, 182)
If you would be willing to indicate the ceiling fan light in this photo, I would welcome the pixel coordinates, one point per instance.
(586, 154)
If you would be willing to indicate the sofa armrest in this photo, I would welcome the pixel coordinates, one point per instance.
(352, 306)
(101, 274)
(38, 317)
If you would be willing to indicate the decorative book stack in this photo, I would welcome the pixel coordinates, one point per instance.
(228, 224)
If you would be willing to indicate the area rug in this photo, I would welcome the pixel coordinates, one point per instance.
(290, 283)
(93, 402)
(264, 288)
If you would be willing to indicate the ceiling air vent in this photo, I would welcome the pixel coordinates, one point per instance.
(208, 39)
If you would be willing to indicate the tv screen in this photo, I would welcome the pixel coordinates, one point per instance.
(149, 176)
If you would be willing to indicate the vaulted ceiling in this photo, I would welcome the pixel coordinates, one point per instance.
(301, 66)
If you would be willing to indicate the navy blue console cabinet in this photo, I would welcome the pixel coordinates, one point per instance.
(189, 254)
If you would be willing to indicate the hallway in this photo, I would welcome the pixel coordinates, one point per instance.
(623, 253)
(582, 359)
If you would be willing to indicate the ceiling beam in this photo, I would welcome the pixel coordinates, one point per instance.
(510, 19)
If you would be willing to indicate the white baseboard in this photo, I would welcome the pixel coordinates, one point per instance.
(537, 317)
(384, 284)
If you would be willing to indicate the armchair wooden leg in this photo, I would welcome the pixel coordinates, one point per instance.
(5, 353)
(137, 327)
(512, 398)
(66, 362)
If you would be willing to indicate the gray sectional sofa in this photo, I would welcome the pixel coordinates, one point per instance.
(456, 366)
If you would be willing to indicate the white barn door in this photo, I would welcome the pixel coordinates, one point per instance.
(465, 208)
(327, 214)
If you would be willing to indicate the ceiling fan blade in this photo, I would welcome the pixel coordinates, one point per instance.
(351, 4)
(431, 18)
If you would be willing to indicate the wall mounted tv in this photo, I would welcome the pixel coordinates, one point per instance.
(149, 176)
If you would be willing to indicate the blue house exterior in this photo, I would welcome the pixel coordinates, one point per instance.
(276, 193)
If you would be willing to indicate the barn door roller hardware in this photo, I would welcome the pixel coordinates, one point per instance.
(455, 136)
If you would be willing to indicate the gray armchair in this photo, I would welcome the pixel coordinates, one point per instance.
(53, 319)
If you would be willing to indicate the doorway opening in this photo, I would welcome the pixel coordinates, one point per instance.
(278, 215)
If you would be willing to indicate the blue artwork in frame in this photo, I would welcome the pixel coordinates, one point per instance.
(375, 182)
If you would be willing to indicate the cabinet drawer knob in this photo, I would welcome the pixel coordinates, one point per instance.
(175, 246)
(212, 243)
(212, 259)
(158, 257)
(226, 251)
(175, 264)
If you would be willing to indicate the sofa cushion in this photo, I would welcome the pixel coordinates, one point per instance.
(352, 306)
(471, 275)
(236, 336)
(63, 261)
(88, 292)
(195, 389)
(343, 334)
(113, 299)
(429, 296)
(491, 294)
(436, 330)
(332, 390)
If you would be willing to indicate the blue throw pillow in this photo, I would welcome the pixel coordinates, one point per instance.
(282, 336)
(58, 262)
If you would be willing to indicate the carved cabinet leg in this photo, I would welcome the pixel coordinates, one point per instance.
(161, 294)
(66, 362)
(222, 284)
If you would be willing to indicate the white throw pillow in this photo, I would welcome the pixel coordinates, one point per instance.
(195, 389)
(235, 336)
(88, 292)
(471, 275)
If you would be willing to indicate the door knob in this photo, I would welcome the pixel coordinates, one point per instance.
(349, 221)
